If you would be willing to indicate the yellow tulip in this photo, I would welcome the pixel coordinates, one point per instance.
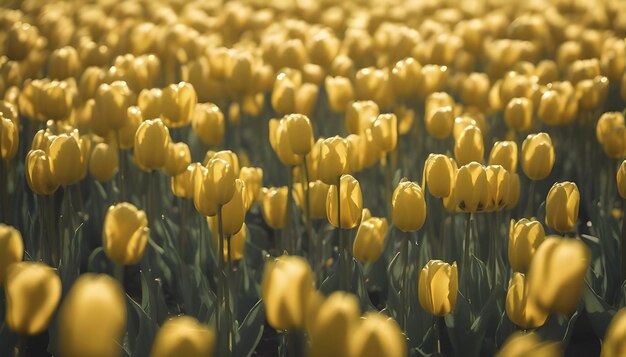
(125, 233)
(63, 63)
(439, 122)
(377, 335)
(103, 162)
(469, 146)
(621, 180)
(475, 90)
(562, 206)
(404, 76)
(439, 173)
(203, 196)
(33, 291)
(333, 160)
(151, 144)
(614, 144)
(521, 310)
(208, 123)
(608, 121)
(287, 286)
(333, 325)
(281, 143)
(178, 103)
(237, 240)
(524, 238)
(274, 204)
(220, 183)
(370, 239)
(537, 156)
(514, 192)
(499, 181)
(284, 95)
(323, 48)
(521, 344)
(111, 104)
(178, 158)
(9, 138)
(518, 114)
(67, 158)
(557, 272)
(184, 335)
(613, 343)
(21, 38)
(57, 100)
(92, 318)
(408, 206)
(234, 211)
(354, 153)
(38, 174)
(253, 178)
(504, 153)
(360, 115)
(11, 249)
(471, 188)
(340, 93)
(351, 201)
(149, 101)
(438, 287)
(300, 133)
(318, 192)
(551, 108)
(183, 184)
(131, 124)
(385, 132)
(460, 124)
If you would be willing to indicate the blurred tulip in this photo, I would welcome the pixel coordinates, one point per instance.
(475, 90)
(504, 153)
(557, 272)
(67, 158)
(608, 121)
(21, 39)
(184, 335)
(385, 132)
(524, 238)
(56, 100)
(404, 77)
(613, 343)
(562, 206)
(360, 115)
(38, 174)
(178, 103)
(333, 325)
(518, 114)
(469, 146)
(287, 286)
(11, 249)
(92, 318)
(281, 143)
(438, 287)
(408, 206)
(300, 133)
(9, 138)
(208, 123)
(537, 156)
(318, 192)
(471, 188)
(253, 178)
(439, 122)
(340, 93)
(103, 162)
(150, 103)
(33, 291)
(234, 211)
(63, 63)
(177, 159)
(183, 183)
(351, 202)
(439, 174)
(369, 240)
(621, 180)
(521, 344)
(377, 335)
(127, 132)
(151, 144)
(521, 310)
(333, 160)
(125, 233)
(274, 204)
(111, 103)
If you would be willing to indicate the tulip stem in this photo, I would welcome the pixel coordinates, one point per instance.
(4, 168)
(531, 199)
(466, 259)
(229, 315)
(118, 272)
(222, 288)
(436, 326)
(120, 164)
(307, 205)
(405, 283)
(287, 239)
(623, 243)
(20, 347)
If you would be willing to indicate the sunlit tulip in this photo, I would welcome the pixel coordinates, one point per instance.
(351, 201)
(127, 132)
(340, 93)
(504, 153)
(518, 114)
(103, 163)
(608, 121)
(438, 287)
(183, 184)
(203, 196)
(439, 122)
(360, 115)
(614, 142)
(524, 238)
(66, 158)
(354, 153)
(408, 206)
(253, 178)
(318, 192)
(63, 63)
(9, 138)
(333, 325)
(38, 174)
(614, 343)
(287, 286)
(369, 240)
(557, 272)
(469, 146)
(11, 249)
(521, 344)
(333, 160)
(385, 132)
(475, 89)
(499, 181)
(377, 335)
(151, 144)
(471, 188)
(125, 233)
(234, 211)
(21, 38)
(184, 335)
(404, 77)
(33, 291)
(562, 206)
(439, 174)
(537, 156)
(274, 204)
(300, 133)
(178, 103)
(461, 123)
(92, 318)
(150, 103)
(281, 143)
(111, 103)
(56, 100)
(208, 123)
(521, 310)
(178, 158)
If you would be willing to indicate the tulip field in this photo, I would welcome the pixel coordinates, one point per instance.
(315, 178)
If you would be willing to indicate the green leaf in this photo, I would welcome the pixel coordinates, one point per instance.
(598, 311)
(249, 333)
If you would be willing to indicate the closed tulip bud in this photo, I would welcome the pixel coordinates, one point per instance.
(385, 132)
(318, 192)
(521, 344)
(522, 310)
(151, 144)
(92, 318)
(369, 240)
(562, 206)
(150, 103)
(614, 142)
(438, 287)
(551, 108)
(514, 192)
(499, 181)
(409, 206)
(33, 291)
(128, 131)
(469, 146)
(178, 158)
(608, 122)
(439, 122)
(284, 95)
(183, 183)
(377, 335)
(184, 335)
(471, 188)
(234, 211)
(111, 104)
(9, 138)
(404, 76)
(281, 143)
(504, 153)
(178, 103)
(63, 63)
(21, 38)
(621, 180)
(333, 159)
(557, 272)
(524, 238)
(351, 201)
(240, 72)
(208, 124)
(300, 133)
(56, 100)
(103, 162)
(439, 173)
(220, 180)
(11, 249)
(333, 325)
(38, 174)
(613, 343)
(306, 99)
(323, 48)
(360, 115)
(274, 204)
(460, 124)
(475, 90)
(203, 196)
(354, 153)
(287, 286)
(66, 158)
(253, 178)
(340, 93)
(125, 233)
(537, 156)
(518, 114)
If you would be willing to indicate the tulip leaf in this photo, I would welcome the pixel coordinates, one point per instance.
(245, 291)
(478, 285)
(621, 301)
(250, 331)
(359, 288)
(141, 329)
(7, 339)
(599, 312)
(98, 262)
(505, 329)
(558, 327)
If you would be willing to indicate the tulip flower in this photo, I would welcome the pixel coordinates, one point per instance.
(469, 146)
(178, 103)
(125, 233)
(514, 192)
(608, 121)
(460, 124)
(287, 286)
(21, 39)
(409, 206)
(184, 335)
(499, 181)
(562, 206)
(318, 192)
(9, 138)
(183, 184)
(150, 103)
(351, 202)
(333, 161)
(92, 318)
(360, 115)
(521, 344)
(208, 123)
(33, 291)
(377, 335)
(111, 103)
(385, 132)
(333, 325)
(103, 163)
(621, 180)
(131, 124)
(524, 238)
(299, 133)
(220, 182)
(504, 153)
(234, 211)
(439, 174)
(354, 153)
(438, 287)
(203, 196)
(178, 158)
(614, 142)
(537, 156)
(521, 310)
(11, 249)
(38, 174)
(440, 121)
(340, 93)
(557, 272)
(67, 158)
(151, 144)
(274, 204)
(471, 188)
(253, 178)
(518, 114)
(404, 76)
(281, 143)
(613, 343)
(57, 98)
(370, 239)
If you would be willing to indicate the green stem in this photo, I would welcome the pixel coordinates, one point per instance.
(531, 199)
(288, 240)
(405, 283)
(222, 288)
(436, 327)
(442, 233)
(20, 347)
(307, 213)
(467, 256)
(342, 253)
(121, 164)
(52, 229)
(229, 315)
(118, 271)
